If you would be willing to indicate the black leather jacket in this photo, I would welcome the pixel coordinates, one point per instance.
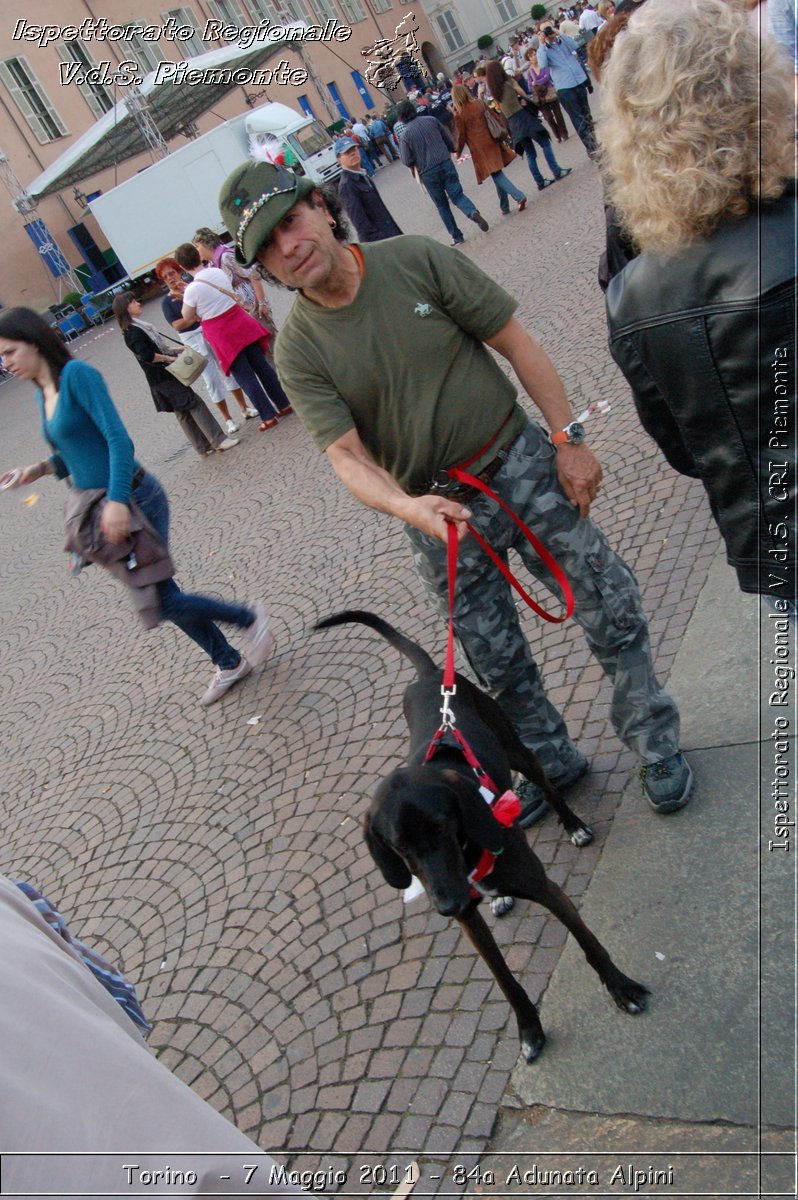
(707, 342)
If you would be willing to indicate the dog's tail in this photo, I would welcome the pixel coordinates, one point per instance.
(418, 657)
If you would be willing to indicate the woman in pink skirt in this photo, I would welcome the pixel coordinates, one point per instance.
(237, 339)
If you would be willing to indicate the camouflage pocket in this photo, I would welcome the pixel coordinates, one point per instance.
(616, 586)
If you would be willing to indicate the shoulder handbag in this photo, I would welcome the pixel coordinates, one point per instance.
(188, 366)
(497, 125)
(224, 291)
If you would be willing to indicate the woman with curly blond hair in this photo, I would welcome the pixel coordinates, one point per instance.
(697, 147)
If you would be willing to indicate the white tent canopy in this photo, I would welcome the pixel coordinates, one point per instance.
(172, 104)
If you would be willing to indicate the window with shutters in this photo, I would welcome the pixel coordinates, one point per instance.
(353, 10)
(146, 53)
(31, 100)
(98, 97)
(281, 12)
(326, 11)
(229, 12)
(506, 10)
(187, 47)
(448, 27)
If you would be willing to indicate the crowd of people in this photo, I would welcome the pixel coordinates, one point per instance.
(357, 373)
(386, 358)
(495, 111)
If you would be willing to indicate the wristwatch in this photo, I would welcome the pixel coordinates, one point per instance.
(573, 433)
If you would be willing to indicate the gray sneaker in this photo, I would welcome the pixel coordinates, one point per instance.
(260, 639)
(534, 805)
(667, 784)
(478, 219)
(224, 680)
(227, 444)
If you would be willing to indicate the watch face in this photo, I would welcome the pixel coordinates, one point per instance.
(576, 432)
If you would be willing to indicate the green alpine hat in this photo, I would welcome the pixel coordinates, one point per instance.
(254, 199)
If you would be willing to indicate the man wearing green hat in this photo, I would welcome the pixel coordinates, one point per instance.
(384, 358)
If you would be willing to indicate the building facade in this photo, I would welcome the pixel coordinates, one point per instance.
(68, 66)
(457, 24)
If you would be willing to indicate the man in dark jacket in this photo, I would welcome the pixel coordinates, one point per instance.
(362, 201)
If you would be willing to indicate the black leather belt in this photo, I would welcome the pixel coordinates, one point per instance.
(452, 489)
(138, 478)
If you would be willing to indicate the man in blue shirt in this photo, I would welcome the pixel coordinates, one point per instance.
(558, 53)
(426, 147)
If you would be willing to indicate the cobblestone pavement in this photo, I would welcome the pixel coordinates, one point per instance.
(220, 860)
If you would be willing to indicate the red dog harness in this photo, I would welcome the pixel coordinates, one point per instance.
(505, 808)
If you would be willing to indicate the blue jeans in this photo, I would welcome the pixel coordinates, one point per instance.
(528, 146)
(366, 161)
(506, 190)
(575, 102)
(195, 615)
(258, 379)
(441, 181)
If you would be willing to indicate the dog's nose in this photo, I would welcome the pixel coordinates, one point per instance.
(449, 906)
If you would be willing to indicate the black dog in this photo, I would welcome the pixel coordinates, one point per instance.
(430, 820)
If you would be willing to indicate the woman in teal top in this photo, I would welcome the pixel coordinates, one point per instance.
(91, 445)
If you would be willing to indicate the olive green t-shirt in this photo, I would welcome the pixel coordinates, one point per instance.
(404, 364)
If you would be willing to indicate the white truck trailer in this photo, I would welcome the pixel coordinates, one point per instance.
(147, 216)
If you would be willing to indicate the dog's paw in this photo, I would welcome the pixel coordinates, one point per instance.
(582, 836)
(532, 1042)
(501, 905)
(630, 996)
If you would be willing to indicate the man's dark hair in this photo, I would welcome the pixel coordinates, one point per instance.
(341, 229)
(188, 256)
(406, 110)
(25, 325)
(335, 207)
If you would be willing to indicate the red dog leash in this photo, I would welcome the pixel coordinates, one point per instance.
(505, 808)
(471, 481)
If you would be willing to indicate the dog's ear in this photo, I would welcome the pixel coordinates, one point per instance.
(478, 822)
(390, 864)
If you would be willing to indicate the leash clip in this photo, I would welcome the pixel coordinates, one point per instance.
(447, 715)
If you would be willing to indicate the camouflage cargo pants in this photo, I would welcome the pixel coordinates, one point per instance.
(607, 606)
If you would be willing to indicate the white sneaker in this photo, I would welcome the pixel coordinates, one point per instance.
(223, 680)
(228, 443)
(250, 412)
(260, 639)
(231, 427)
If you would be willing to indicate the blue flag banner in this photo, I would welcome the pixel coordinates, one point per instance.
(43, 240)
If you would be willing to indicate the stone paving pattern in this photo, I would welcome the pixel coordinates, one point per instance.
(221, 863)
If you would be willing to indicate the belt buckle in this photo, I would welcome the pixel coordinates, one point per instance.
(441, 482)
